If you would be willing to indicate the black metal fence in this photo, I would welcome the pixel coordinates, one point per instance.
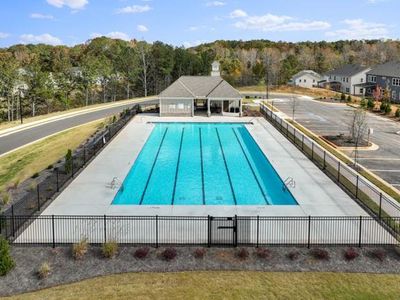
(59, 176)
(368, 195)
(207, 231)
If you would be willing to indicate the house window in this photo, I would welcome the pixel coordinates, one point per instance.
(334, 77)
(396, 81)
(369, 91)
(362, 80)
(313, 81)
(394, 95)
(372, 78)
(347, 79)
(361, 91)
(305, 80)
(347, 90)
(299, 80)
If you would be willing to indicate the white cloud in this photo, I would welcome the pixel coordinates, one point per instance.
(41, 16)
(193, 43)
(4, 35)
(134, 9)
(45, 38)
(238, 13)
(215, 3)
(142, 28)
(359, 29)
(113, 35)
(74, 4)
(270, 23)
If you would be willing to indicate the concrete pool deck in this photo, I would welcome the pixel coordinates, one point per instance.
(90, 193)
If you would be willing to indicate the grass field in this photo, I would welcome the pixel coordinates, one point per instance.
(228, 285)
(23, 163)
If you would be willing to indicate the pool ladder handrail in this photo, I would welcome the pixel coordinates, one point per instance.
(289, 182)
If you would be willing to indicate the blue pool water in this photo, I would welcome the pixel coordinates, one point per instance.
(202, 164)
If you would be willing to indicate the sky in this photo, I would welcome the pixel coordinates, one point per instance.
(191, 22)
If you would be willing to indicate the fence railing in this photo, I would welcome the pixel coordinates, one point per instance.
(60, 175)
(207, 231)
(371, 197)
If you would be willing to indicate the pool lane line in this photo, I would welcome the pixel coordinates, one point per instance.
(202, 168)
(226, 166)
(152, 167)
(251, 167)
(177, 167)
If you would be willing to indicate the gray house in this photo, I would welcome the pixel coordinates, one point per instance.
(200, 95)
(386, 77)
(346, 79)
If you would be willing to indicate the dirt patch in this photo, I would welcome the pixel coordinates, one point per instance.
(345, 141)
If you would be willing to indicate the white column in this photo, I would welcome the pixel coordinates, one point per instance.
(208, 108)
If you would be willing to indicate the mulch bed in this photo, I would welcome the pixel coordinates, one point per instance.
(344, 141)
(65, 269)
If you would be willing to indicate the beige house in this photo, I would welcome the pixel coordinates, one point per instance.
(201, 95)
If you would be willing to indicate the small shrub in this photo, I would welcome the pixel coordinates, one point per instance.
(350, 254)
(349, 98)
(6, 261)
(169, 253)
(397, 113)
(320, 254)
(80, 249)
(49, 167)
(342, 97)
(141, 253)
(378, 254)
(36, 175)
(200, 252)
(363, 103)
(293, 255)
(388, 108)
(110, 249)
(370, 104)
(33, 185)
(44, 271)
(5, 198)
(68, 161)
(243, 253)
(263, 253)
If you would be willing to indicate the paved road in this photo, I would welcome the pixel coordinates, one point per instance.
(332, 119)
(29, 135)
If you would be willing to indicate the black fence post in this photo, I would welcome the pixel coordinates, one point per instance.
(338, 172)
(236, 231)
(84, 155)
(105, 228)
(58, 184)
(302, 142)
(309, 233)
(53, 231)
(324, 159)
(156, 231)
(12, 221)
(38, 197)
(357, 187)
(380, 205)
(360, 233)
(258, 231)
(312, 151)
(208, 231)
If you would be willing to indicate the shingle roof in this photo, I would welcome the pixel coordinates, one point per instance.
(308, 72)
(390, 69)
(348, 70)
(199, 87)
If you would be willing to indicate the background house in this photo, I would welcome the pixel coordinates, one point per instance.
(347, 79)
(386, 77)
(306, 79)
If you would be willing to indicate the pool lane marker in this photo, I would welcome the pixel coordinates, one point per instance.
(177, 167)
(226, 166)
(251, 167)
(202, 167)
(152, 167)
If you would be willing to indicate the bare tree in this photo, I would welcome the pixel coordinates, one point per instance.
(358, 127)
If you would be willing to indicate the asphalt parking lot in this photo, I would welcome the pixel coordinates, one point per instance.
(333, 119)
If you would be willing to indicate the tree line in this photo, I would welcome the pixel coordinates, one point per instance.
(38, 79)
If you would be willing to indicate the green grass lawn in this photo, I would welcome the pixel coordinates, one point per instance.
(228, 285)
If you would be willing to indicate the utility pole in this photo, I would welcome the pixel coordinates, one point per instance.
(20, 104)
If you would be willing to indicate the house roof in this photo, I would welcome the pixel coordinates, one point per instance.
(389, 69)
(199, 87)
(348, 70)
(308, 72)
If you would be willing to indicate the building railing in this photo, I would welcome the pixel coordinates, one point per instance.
(367, 194)
(206, 231)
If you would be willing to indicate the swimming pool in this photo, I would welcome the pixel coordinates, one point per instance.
(202, 164)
